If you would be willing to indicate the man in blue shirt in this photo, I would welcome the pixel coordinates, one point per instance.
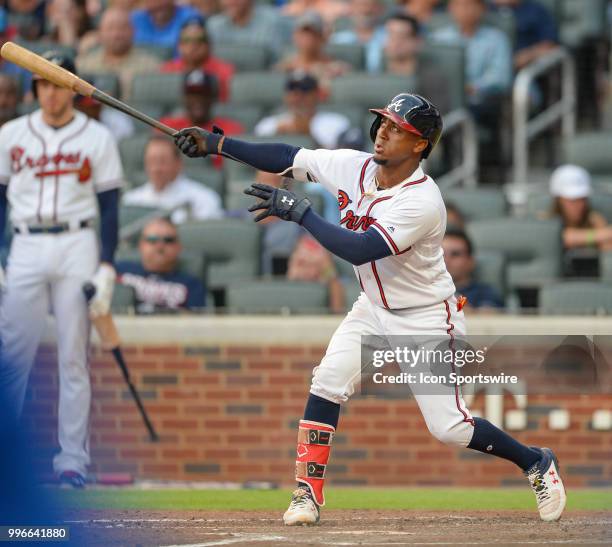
(158, 284)
(459, 258)
(160, 23)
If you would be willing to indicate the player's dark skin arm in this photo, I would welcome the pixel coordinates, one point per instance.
(109, 224)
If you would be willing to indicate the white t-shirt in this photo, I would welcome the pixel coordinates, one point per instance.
(325, 127)
(199, 202)
(53, 175)
(411, 217)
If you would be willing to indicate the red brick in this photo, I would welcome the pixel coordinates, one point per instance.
(264, 395)
(222, 424)
(179, 453)
(179, 393)
(242, 440)
(285, 351)
(245, 468)
(201, 380)
(179, 424)
(224, 395)
(164, 469)
(138, 453)
(221, 453)
(233, 351)
(184, 363)
(285, 380)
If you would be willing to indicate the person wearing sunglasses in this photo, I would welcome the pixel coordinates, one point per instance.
(195, 53)
(159, 284)
(460, 263)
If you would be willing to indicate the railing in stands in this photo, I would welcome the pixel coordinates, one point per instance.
(467, 171)
(526, 129)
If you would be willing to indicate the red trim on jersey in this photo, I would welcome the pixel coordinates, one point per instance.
(362, 174)
(415, 182)
(380, 287)
(449, 331)
(377, 200)
(44, 150)
(387, 237)
(59, 149)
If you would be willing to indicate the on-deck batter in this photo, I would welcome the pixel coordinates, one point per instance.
(392, 223)
(59, 171)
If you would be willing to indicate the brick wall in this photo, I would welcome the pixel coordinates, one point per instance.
(229, 413)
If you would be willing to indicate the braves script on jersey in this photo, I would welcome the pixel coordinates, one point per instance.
(411, 217)
(55, 173)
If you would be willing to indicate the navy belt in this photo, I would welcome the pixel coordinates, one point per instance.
(52, 228)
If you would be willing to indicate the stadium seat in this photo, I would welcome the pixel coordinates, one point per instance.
(231, 248)
(477, 204)
(503, 20)
(163, 53)
(576, 298)
(367, 90)
(353, 54)
(131, 213)
(124, 299)
(162, 89)
(200, 171)
(540, 205)
(532, 248)
(131, 151)
(353, 113)
(104, 81)
(605, 266)
(352, 290)
(277, 296)
(248, 115)
(450, 61)
(244, 59)
(590, 150)
(582, 20)
(490, 269)
(262, 89)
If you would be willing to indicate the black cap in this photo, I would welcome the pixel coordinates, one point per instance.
(198, 81)
(301, 81)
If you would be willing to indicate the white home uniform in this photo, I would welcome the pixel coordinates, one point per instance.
(407, 293)
(53, 176)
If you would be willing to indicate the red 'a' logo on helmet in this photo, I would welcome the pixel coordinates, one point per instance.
(343, 199)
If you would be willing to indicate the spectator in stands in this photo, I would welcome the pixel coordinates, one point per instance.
(536, 31)
(168, 188)
(488, 56)
(69, 21)
(195, 52)
(402, 47)
(310, 39)
(156, 280)
(366, 28)
(301, 115)
(454, 217)
(459, 258)
(329, 10)
(27, 17)
(421, 10)
(117, 54)
(200, 92)
(243, 22)
(160, 22)
(570, 186)
(312, 263)
(9, 98)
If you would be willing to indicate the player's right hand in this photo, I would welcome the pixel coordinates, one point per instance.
(196, 142)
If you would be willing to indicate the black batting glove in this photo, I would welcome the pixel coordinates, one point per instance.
(277, 203)
(196, 142)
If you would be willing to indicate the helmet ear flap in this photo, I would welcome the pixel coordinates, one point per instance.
(374, 127)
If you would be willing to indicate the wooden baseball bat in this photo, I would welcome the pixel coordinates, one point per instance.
(64, 78)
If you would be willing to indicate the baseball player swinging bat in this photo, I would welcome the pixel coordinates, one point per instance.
(66, 79)
(107, 332)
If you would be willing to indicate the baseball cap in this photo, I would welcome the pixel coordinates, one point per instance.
(310, 20)
(301, 81)
(199, 81)
(571, 182)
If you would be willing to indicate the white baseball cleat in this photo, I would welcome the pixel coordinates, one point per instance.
(302, 509)
(547, 485)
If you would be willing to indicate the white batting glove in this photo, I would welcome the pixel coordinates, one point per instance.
(104, 282)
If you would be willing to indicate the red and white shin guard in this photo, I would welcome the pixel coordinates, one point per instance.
(313, 446)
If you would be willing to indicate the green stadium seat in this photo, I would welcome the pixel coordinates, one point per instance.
(352, 290)
(244, 59)
(277, 297)
(353, 113)
(164, 90)
(131, 151)
(576, 298)
(353, 54)
(490, 269)
(605, 266)
(540, 205)
(303, 141)
(248, 115)
(262, 89)
(477, 204)
(582, 20)
(129, 214)
(532, 248)
(590, 150)
(104, 81)
(189, 263)
(231, 248)
(163, 53)
(450, 61)
(368, 90)
(198, 170)
(124, 300)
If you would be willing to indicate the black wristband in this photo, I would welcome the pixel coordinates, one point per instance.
(212, 143)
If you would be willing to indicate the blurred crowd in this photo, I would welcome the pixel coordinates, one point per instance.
(188, 63)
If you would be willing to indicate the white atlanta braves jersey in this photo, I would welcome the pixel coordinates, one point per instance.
(411, 217)
(53, 175)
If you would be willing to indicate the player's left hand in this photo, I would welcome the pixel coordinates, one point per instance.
(278, 203)
(104, 282)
